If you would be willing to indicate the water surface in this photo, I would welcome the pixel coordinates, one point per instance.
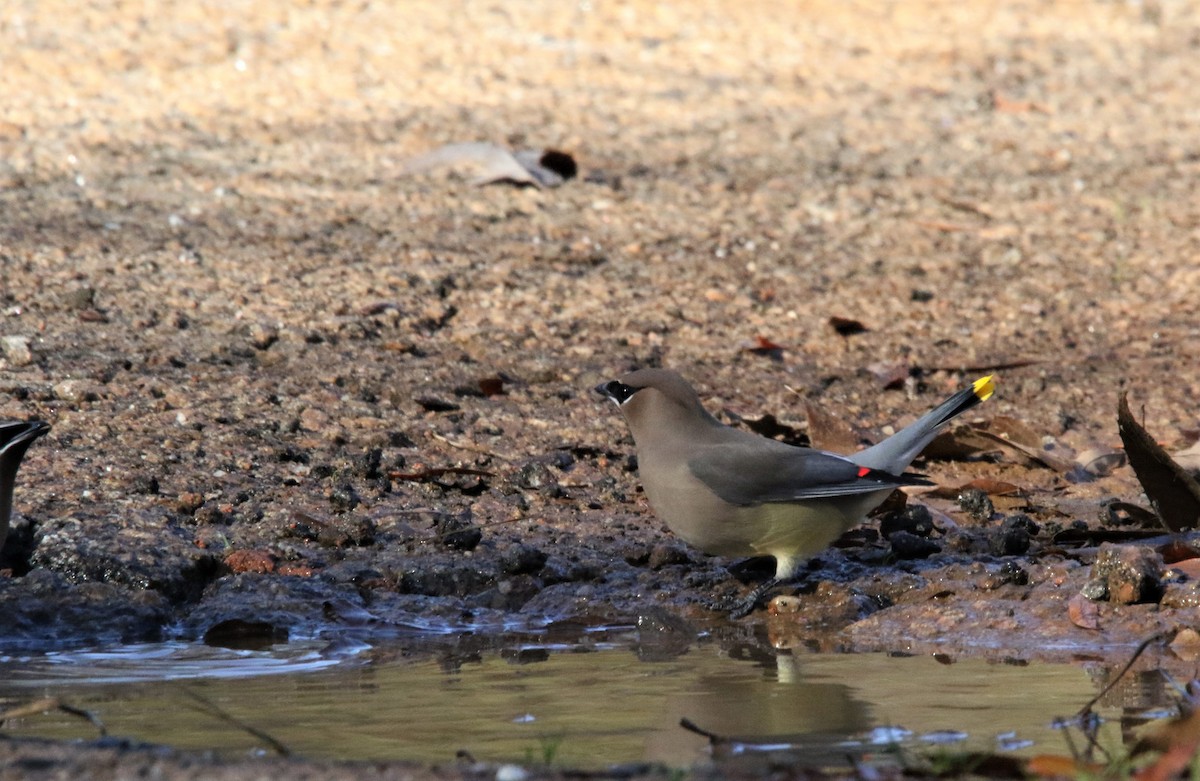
(589, 703)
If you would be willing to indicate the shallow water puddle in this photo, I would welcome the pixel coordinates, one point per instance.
(586, 704)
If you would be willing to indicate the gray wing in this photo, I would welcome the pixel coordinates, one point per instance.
(757, 471)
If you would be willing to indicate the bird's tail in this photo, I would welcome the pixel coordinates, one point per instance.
(895, 453)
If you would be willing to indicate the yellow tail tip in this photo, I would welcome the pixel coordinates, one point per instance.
(984, 388)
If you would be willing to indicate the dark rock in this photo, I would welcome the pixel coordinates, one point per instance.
(665, 554)
(1125, 574)
(522, 560)
(244, 635)
(210, 514)
(434, 404)
(907, 545)
(1014, 573)
(44, 611)
(977, 504)
(343, 498)
(144, 484)
(457, 532)
(1012, 538)
(914, 519)
(369, 462)
(444, 579)
(284, 602)
(509, 594)
(147, 551)
(347, 530)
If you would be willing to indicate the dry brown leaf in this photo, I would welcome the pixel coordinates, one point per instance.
(958, 443)
(1100, 461)
(1033, 454)
(1083, 612)
(1173, 492)
(890, 376)
(985, 484)
(846, 326)
(765, 347)
(827, 432)
(491, 164)
(1013, 430)
(1189, 567)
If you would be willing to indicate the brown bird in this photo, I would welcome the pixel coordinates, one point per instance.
(732, 493)
(15, 439)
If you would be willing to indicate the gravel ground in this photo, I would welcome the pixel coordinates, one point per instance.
(290, 380)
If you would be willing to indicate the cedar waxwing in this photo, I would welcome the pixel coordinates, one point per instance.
(729, 492)
(15, 439)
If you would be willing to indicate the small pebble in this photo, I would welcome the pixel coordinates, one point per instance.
(511, 773)
(976, 503)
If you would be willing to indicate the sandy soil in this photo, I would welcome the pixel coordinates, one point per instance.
(258, 340)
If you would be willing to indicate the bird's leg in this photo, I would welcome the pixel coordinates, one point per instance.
(740, 608)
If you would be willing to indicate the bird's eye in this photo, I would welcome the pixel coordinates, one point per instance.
(619, 392)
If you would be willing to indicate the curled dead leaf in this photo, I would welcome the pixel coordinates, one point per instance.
(846, 326)
(1083, 612)
(1173, 492)
(491, 164)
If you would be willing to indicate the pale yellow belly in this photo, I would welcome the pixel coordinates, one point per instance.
(783, 530)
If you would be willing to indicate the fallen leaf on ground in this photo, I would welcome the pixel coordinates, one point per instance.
(1033, 454)
(985, 484)
(1173, 492)
(846, 326)
(827, 432)
(1189, 567)
(765, 347)
(1100, 461)
(492, 164)
(959, 443)
(1013, 430)
(1083, 612)
(890, 376)
(1126, 514)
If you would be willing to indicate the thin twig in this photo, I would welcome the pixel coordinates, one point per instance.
(210, 708)
(437, 471)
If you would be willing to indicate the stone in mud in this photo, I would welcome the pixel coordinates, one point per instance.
(1181, 594)
(914, 519)
(285, 603)
(907, 545)
(536, 476)
(145, 551)
(522, 559)
(44, 611)
(1012, 537)
(16, 350)
(509, 594)
(665, 554)
(1125, 574)
(444, 579)
(457, 532)
(976, 503)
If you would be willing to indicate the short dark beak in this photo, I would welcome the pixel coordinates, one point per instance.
(602, 389)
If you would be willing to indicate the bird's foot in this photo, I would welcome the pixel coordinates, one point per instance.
(740, 608)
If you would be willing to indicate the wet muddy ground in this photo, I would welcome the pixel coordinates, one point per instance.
(295, 386)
